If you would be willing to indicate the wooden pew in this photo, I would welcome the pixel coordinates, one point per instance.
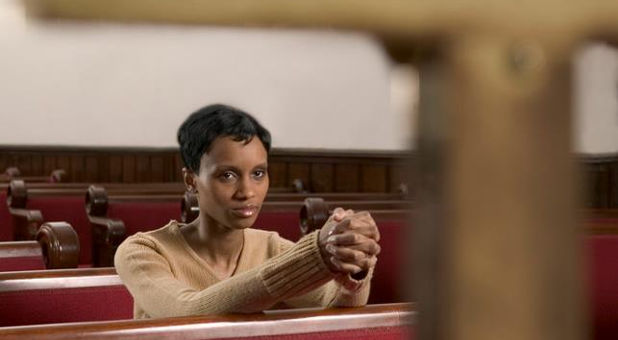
(29, 207)
(50, 198)
(389, 275)
(282, 216)
(337, 196)
(56, 246)
(63, 295)
(392, 321)
(11, 173)
(6, 225)
(115, 217)
(101, 232)
(600, 242)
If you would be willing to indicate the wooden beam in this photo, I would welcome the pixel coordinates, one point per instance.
(502, 252)
(387, 18)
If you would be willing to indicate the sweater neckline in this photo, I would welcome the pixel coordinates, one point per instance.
(239, 262)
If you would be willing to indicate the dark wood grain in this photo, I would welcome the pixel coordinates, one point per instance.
(373, 178)
(143, 171)
(320, 170)
(77, 167)
(129, 169)
(322, 177)
(278, 174)
(298, 171)
(91, 168)
(347, 178)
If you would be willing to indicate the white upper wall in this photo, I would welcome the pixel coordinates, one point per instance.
(132, 85)
(70, 83)
(596, 101)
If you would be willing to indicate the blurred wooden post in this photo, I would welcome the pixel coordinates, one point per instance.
(499, 222)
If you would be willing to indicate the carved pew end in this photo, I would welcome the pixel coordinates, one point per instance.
(96, 201)
(17, 194)
(299, 186)
(25, 222)
(313, 214)
(12, 172)
(58, 175)
(107, 234)
(60, 245)
(189, 207)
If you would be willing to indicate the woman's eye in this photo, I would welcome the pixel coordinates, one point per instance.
(259, 173)
(228, 175)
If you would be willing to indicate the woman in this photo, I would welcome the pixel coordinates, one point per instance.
(217, 263)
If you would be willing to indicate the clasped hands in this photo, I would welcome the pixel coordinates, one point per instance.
(349, 242)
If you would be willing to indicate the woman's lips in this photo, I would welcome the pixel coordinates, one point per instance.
(246, 211)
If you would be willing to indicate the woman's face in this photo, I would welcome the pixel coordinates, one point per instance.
(232, 182)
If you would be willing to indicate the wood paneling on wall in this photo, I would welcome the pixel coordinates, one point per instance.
(320, 170)
(600, 180)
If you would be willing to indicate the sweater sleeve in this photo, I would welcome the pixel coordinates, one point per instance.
(343, 291)
(154, 288)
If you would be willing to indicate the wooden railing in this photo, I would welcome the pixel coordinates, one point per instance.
(369, 322)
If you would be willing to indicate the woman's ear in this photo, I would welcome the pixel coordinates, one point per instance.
(188, 177)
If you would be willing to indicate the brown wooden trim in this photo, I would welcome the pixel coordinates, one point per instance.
(57, 244)
(30, 274)
(320, 170)
(57, 282)
(229, 326)
(20, 249)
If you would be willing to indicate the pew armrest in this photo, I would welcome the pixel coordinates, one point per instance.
(107, 234)
(26, 223)
(313, 214)
(17, 194)
(60, 245)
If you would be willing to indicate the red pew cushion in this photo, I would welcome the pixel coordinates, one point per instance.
(44, 306)
(287, 224)
(70, 209)
(6, 226)
(144, 216)
(389, 274)
(602, 251)
(8, 264)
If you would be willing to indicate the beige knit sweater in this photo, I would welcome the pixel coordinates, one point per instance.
(167, 278)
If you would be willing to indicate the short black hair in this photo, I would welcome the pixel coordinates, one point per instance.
(202, 127)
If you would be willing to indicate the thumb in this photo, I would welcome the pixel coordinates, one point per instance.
(339, 214)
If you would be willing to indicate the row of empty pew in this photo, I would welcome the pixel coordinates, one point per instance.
(11, 173)
(37, 293)
(103, 216)
(94, 303)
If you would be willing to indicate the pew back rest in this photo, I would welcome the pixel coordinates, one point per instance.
(59, 296)
(392, 272)
(21, 255)
(139, 215)
(71, 210)
(602, 281)
(370, 322)
(6, 232)
(56, 247)
(285, 223)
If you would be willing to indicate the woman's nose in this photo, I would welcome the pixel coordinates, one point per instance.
(246, 189)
